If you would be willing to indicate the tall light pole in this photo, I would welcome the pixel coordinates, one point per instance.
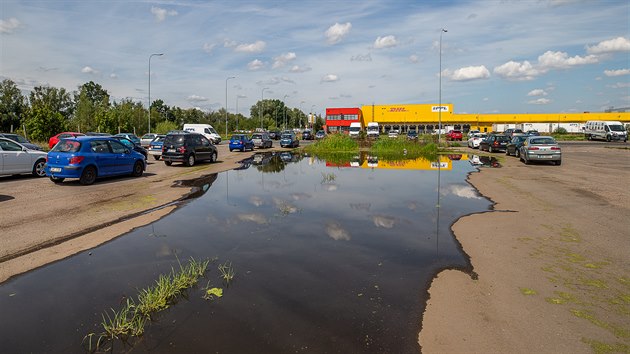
(301, 103)
(226, 109)
(262, 95)
(285, 111)
(440, 103)
(312, 116)
(150, 56)
(237, 97)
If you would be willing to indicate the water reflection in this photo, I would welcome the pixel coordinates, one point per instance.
(327, 259)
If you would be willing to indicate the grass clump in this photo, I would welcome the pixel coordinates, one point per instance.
(403, 148)
(334, 143)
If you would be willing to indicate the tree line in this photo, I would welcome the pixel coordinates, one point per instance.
(50, 110)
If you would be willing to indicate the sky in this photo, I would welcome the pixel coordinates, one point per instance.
(536, 56)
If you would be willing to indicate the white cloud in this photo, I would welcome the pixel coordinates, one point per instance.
(330, 78)
(7, 26)
(283, 59)
(561, 60)
(537, 92)
(517, 71)
(89, 70)
(255, 65)
(620, 85)
(485, 99)
(385, 42)
(619, 72)
(540, 101)
(361, 57)
(468, 73)
(413, 58)
(160, 13)
(335, 33)
(256, 47)
(113, 76)
(195, 98)
(299, 69)
(619, 44)
(207, 47)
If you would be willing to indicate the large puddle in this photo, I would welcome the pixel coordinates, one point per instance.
(329, 257)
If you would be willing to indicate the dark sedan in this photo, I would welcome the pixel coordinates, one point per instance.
(494, 143)
(514, 145)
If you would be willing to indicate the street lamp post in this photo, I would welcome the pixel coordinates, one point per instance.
(312, 117)
(262, 95)
(237, 97)
(226, 109)
(150, 56)
(285, 111)
(440, 99)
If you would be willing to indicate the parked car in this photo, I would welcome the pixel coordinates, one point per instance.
(393, 133)
(146, 139)
(472, 132)
(16, 159)
(275, 134)
(155, 147)
(188, 148)
(90, 157)
(20, 139)
(320, 134)
(510, 132)
(494, 142)
(131, 137)
(454, 135)
(132, 145)
(514, 145)
(532, 132)
(241, 142)
(307, 135)
(475, 140)
(289, 140)
(55, 139)
(262, 140)
(540, 148)
(412, 134)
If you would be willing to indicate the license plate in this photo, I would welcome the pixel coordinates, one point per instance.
(55, 169)
(544, 156)
(171, 150)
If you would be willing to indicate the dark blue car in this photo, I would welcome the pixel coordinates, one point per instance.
(241, 142)
(90, 157)
(289, 140)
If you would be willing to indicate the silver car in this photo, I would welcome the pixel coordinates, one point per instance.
(16, 159)
(540, 148)
(262, 140)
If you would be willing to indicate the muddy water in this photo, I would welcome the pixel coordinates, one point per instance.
(329, 257)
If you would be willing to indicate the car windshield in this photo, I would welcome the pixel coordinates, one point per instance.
(542, 141)
(616, 128)
(21, 139)
(236, 137)
(158, 139)
(256, 136)
(287, 136)
(174, 139)
(67, 146)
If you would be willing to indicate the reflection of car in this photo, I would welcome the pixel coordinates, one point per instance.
(16, 158)
(514, 145)
(320, 134)
(286, 156)
(131, 137)
(289, 140)
(241, 142)
(540, 148)
(90, 157)
(146, 139)
(20, 139)
(412, 135)
(454, 135)
(475, 140)
(130, 144)
(494, 142)
(393, 133)
(262, 140)
(155, 147)
(54, 139)
(307, 135)
(455, 157)
(188, 148)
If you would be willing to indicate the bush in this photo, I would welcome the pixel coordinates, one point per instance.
(560, 130)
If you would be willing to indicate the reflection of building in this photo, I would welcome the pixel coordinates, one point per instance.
(415, 164)
(425, 118)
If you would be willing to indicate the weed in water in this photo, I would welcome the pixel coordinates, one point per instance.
(227, 272)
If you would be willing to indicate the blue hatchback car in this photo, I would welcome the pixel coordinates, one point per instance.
(90, 157)
(241, 142)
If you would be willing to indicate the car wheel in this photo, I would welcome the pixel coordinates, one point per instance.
(190, 161)
(242, 149)
(517, 153)
(490, 150)
(230, 150)
(607, 137)
(213, 157)
(138, 168)
(38, 168)
(156, 157)
(168, 163)
(56, 179)
(559, 162)
(88, 176)
(507, 152)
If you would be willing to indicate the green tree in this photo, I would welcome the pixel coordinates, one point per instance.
(128, 116)
(50, 113)
(92, 106)
(13, 106)
(165, 127)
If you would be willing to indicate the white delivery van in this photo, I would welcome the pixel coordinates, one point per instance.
(355, 129)
(204, 129)
(372, 130)
(606, 130)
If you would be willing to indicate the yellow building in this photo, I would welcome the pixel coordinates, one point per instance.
(426, 118)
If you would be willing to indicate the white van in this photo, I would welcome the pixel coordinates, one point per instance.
(204, 129)
(355, 129)
(373, 130)
(606, 130)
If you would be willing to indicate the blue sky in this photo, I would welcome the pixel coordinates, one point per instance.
(497, 56)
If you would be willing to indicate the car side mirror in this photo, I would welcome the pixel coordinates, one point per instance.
(127, 151)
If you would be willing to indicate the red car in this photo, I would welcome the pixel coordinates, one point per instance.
(454, 135)
(55, 139)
